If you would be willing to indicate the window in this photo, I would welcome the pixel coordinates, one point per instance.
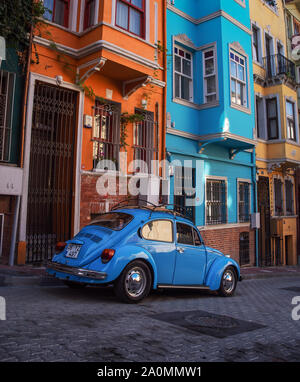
(158, 230)
(184, 234)
(244, 201)
(238, 80)
(89, 13)
(197, 240)
(7, 83)
(1, 232)
(113, 220)
(183, 69)
(184, 190)
(278, 197)
(130, 15)
(260, 115)
(106, 135)
(145, 141)
(255, 44)
(272, 4)
(216, 201)
(209, 75)
(57, 11)
(289, 197)
(272, 118)
(290, 120)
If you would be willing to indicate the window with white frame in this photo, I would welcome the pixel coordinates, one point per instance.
(89, 13)
(130, 15)
(256, 44)
(238, 83)
(57, 11)
(290, 120)
(289, 197)
(216, 201)
(244, 201)
(7, 84)
(272, 118)
(272, 4)
(183, 74)
(209, 75)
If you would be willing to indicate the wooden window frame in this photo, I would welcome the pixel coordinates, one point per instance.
(142, 11)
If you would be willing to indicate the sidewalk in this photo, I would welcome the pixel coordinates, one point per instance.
(32, 275)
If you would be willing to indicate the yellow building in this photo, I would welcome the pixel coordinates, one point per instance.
(277, 133)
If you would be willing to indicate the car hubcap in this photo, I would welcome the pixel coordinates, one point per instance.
(135, 282)
(228, 281)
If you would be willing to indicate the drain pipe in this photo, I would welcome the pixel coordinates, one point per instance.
(14, 232)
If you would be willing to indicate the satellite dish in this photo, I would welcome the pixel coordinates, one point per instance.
(296, 53)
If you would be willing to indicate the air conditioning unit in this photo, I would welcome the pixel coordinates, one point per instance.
(255, 220)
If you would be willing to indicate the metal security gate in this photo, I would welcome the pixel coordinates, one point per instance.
(50, 191)
(264, 233)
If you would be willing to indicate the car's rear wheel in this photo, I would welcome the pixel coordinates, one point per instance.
(228, 282)
(134, 283)
(74, 285)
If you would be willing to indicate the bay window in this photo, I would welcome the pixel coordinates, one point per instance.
(183, 74)
(290, 120)
(209, 75)
(57, 11)
(89, 13)
(238, 83)
(130, 15)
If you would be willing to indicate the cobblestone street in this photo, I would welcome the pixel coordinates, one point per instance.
(54, 323)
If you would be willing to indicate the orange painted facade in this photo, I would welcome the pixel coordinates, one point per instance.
(102, 62)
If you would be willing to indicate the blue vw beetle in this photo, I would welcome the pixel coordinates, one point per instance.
(139, 248)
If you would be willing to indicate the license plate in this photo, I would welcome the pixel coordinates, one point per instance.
(73, 251)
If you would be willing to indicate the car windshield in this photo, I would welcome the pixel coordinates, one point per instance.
(113, 220)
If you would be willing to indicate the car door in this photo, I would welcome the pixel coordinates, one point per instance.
(158, 240)
(190, 263)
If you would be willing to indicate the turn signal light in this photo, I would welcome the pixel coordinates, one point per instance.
(107, 255)
(60, 246)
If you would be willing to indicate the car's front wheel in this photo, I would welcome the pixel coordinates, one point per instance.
(228, 282)
(134, 283)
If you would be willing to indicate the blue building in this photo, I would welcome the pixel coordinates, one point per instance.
(211, 120)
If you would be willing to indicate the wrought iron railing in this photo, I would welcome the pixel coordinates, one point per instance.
(277, 64)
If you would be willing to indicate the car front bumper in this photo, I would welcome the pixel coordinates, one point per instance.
(79, 272)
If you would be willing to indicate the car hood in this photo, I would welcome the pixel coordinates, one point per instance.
(93, 240)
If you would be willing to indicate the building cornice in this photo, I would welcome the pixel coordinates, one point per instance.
(209, 17)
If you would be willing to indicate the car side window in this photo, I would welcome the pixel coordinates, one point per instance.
(158, 230)
(184, 234)
(197, 240)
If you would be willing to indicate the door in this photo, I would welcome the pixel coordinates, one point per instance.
(264, 233)
(190, 256)
(158, 240)
(50, 188)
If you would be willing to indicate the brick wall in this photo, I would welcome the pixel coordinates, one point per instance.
(227, 241)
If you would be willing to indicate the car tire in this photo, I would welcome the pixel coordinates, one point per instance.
(134, 283)
(74, 285)
(228, 282)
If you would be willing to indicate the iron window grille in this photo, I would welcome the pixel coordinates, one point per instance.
(183, 74)
(210, 75)
(216, 202)
(106, 135)
(278, 197)
(57, 11)
(184, 190)
(244, 248)
(289, 197)
(145, 142)
(244, 201)
(7, 83)
(130, 16)
(238, 79)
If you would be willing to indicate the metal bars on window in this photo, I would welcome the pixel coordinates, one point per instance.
(145, 142)
(216, 201)
(278, 197)
(7, 81)
(106, 135)
(244, 201)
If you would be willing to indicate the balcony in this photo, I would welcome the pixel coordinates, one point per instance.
(277, 66)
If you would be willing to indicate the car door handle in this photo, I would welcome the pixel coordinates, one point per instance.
(180, 250)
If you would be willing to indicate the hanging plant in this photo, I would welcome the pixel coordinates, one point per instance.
(125, 120)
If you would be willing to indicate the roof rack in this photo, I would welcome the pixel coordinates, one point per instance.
(176, 211)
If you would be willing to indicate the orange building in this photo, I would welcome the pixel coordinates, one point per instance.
(97, 91)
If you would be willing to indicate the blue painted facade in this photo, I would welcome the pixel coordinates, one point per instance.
(215, 134)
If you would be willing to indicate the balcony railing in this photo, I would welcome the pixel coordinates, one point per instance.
(277, 64)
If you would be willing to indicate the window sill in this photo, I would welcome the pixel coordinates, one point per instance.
(195, 105)
(243, 109)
